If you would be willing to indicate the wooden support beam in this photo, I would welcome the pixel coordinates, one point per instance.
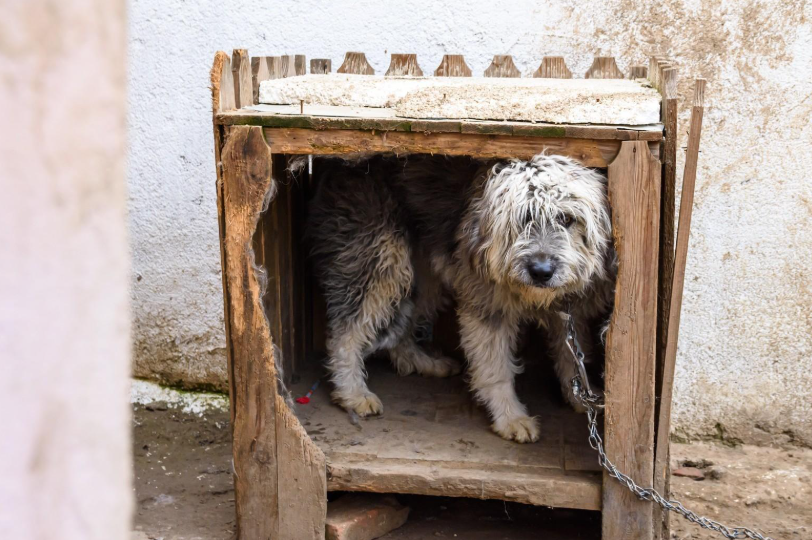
(356, 62)
(634, 193)
(452, 65)
(591, 153)
(502, 66)
(279, 481)
(553, 67)
(661, 463)
(604, 67)
(260, 71)
(320, 66)
(404, 65)
(241, 70)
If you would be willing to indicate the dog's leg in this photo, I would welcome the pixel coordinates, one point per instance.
(489, 345)
(346, 364)
(408, 357)
(562, 357)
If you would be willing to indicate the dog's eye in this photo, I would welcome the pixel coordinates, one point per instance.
(566, 220)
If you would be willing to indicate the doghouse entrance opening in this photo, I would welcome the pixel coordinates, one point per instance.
(432, 439)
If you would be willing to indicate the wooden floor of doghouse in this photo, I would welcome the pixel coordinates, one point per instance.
(434, 440)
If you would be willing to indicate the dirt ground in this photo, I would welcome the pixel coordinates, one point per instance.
(184, 490)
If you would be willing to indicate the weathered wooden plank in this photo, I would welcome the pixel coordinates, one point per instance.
(592, 153)
(222, 84)
(404, 65)
(260, 71)
(275, 66)
(638, 72)
(452, 65)
(580, 490)
(621, 133)
(604, 67)
(262, 420)
(320, 66)
(502, 66)
(553, 67)
(634, 192)
(241, 70)
(356, 62)
(661, 463)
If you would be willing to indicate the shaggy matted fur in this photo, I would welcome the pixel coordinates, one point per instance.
(513, 242)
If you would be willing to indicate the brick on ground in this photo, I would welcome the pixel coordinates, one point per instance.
(364, 516)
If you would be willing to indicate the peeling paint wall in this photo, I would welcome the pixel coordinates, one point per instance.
(65, 467)
(746, 342)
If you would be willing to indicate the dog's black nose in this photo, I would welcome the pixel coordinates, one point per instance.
(541, 270)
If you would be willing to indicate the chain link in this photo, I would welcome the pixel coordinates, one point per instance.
(593, 404)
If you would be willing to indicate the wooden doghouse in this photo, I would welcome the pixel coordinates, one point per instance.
(432, 440)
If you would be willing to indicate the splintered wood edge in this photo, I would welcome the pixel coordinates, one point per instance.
(224, 98)
(278, 466)
(502, 66)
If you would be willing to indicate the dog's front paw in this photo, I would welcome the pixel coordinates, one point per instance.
(367, 404)
(522, 429)
(441, 367)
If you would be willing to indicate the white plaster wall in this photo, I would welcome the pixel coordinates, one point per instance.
(64, 273)
(746, 349)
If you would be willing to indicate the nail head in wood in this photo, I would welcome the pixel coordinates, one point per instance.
(452, 65)
(502, 66)
(604, 67)
(404, 65)
(356, 62)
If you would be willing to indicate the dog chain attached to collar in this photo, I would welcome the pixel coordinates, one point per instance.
(593, 404)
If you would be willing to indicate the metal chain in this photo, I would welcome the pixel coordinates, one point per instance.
(593, 404)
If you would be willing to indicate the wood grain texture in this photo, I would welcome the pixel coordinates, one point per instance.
(320, 66)
(553, 67)
(502, 66)
(275, 66)
(356, 62)
(404, 65)
(452, 65)
(222, 84)
(241, 70)
(591, 153)
(661, 464)
(604, 67)
(260, 71)
(634, 192)
(638, 72)
(262, 421)
(667, 80)
(524, 129)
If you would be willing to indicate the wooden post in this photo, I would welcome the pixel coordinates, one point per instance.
(638, 72)
(241, 69)
(604, 67)
(452, 65)
(553, 67)
(502, 66)
(662, 470)
(664, 78)
(634, 192)
(320, 66)
(356, 62)
(260, 71)
(404, 65)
